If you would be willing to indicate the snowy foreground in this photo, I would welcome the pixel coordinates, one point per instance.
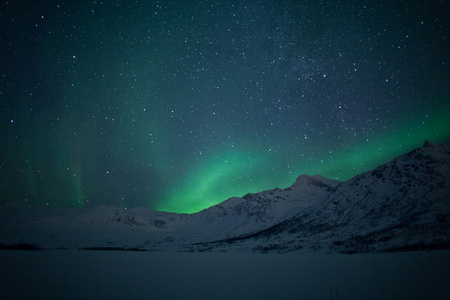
(72, 274)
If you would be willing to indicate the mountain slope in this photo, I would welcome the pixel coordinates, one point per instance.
(255, 212)
(403, 204)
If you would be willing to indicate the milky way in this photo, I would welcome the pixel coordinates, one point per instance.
(179, 105)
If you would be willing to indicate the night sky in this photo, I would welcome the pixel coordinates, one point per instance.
(179, 105)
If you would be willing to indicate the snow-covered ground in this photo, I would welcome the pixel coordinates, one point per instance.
(76, 274)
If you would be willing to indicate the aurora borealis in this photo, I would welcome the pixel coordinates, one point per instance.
(179, 105)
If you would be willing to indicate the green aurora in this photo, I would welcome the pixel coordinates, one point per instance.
(180, 105)
(236, 173)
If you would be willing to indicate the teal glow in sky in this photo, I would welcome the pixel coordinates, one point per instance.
(179, 105)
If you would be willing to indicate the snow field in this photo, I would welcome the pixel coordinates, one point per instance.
(72, 274)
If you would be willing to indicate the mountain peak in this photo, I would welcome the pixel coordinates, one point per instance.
(306, 179)
(427, 144)
(316, 180)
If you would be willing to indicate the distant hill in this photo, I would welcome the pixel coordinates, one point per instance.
(399, 206)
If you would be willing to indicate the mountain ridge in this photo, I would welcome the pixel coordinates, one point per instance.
(402, 204)
(372, 210)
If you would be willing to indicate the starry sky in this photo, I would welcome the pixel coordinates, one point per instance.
(179, 105)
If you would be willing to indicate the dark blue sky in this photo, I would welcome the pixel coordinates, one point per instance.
(178, 105)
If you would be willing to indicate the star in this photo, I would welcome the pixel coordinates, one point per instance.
(178, 106)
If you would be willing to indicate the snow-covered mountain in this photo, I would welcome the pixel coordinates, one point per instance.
(403, 204)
